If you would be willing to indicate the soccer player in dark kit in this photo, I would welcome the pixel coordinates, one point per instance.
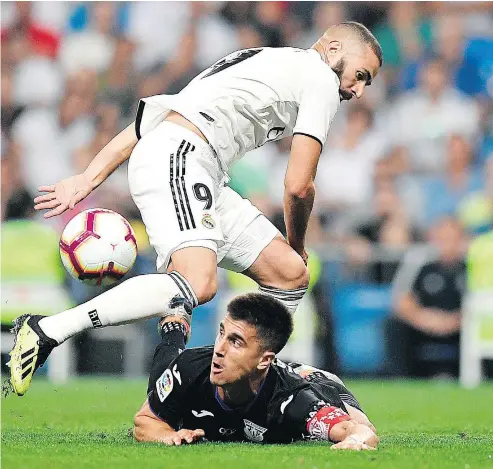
(237, 390)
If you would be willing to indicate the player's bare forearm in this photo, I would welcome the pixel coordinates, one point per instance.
(150, 429)
(299, 189)
(111, 156)
(66, 194)
(298, 206)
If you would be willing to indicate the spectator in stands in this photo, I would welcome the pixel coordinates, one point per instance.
(445, 191)
(10, 109)
(93, 47)
(403, 37)
(37, 38)
(118, 82)
(345, 172)
(421, 120)
(48, 137)
(424, 333)
(476, 210)
(450, 43)
(323, 14)
(386, 232)
(268, 18)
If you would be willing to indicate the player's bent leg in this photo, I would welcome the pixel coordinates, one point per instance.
(198, 265)
(140, 297)
(281, 273)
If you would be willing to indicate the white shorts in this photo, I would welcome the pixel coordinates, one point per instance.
(177, 184)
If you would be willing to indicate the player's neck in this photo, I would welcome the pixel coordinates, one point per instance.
(320, 49)
(242, 392)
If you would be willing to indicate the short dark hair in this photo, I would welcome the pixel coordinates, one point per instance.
(366, 36)
(269, 316)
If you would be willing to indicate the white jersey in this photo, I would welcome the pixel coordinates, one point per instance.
(251, 97)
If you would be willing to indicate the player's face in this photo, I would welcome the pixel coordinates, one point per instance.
(237, 352)
(356, 69)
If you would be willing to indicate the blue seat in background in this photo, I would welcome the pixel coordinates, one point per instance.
(359, 312)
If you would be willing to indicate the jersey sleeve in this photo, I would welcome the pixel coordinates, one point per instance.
(150, 113)
(319, 103)
(166, 393)
(298, 413)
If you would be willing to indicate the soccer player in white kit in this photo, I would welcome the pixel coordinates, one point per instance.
(181, 148)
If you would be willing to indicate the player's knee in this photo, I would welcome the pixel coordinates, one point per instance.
(297, 276)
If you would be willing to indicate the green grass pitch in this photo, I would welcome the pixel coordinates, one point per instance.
(85, 424)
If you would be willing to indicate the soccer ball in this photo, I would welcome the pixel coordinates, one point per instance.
(98, 247)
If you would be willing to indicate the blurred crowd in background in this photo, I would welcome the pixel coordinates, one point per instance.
(405, 181)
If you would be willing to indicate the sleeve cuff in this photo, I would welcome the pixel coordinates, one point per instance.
(138, 119)
(311, 136)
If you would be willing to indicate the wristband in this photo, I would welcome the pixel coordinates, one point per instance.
(320, 424)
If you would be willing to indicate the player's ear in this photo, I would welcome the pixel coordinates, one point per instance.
(265, 360)
(334, 47)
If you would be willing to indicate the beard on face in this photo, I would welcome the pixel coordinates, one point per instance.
(338, 69)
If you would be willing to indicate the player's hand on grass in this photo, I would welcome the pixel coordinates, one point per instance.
(352, 444)
(63, 195)
(183, 435)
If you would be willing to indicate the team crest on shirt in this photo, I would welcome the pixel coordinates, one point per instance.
(253, 431)
(164, 385)
(208, 222)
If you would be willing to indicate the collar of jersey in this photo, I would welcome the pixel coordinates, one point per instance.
(242, 409)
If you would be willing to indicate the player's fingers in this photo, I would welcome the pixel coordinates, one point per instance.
(44, 198)
(199, 433)
(177, 440)
(368, 447)
(51, 204)
(186, 435)
(47, 188)
(56, 211)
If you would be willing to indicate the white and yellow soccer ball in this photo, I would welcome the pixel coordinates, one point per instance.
(98, 247)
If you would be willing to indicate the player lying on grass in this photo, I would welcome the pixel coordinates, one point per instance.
(237, 390)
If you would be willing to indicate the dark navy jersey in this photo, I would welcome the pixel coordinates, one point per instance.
(184, 397)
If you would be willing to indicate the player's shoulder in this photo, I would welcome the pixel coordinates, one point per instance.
(287, 378)
(315, 73)
(196, 355)
(192, 363)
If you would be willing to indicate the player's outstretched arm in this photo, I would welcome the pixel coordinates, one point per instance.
(69, 192)
(299, 190)
(149, 428)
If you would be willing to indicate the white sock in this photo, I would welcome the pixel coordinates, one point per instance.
(289, 298)
(141, 297)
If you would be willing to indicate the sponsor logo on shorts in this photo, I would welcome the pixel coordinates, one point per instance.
(164, 385)
(208, 222)
(253, 431)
